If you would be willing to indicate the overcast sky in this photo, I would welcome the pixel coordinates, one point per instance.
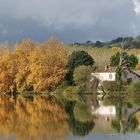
(69, 20)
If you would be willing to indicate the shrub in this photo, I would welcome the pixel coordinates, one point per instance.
(112, 86)
(81, 74)
(134, 88)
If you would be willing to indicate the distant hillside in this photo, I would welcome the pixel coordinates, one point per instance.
(128, 42)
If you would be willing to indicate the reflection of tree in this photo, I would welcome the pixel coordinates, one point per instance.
(27, 119)
(79, 128)
(123, 123)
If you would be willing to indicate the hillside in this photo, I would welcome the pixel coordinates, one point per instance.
(128, 42)
(101, 55)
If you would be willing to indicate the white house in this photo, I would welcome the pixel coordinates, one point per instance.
(105, 74)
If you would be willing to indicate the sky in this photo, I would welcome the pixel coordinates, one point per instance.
(69, 20)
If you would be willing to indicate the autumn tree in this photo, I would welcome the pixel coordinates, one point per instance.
(8, 70)
(48, 66)
(22, 54)
(33, 66)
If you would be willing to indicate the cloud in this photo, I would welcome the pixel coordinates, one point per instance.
(59, 13)
(137, 6)
(70, 20)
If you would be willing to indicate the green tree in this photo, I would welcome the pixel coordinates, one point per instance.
(115, 59)
(132, 60)
(76, 59)
(124, 59)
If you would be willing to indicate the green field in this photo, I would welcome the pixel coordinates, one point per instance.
(101, 55)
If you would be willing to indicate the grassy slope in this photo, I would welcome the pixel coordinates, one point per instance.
(101, 55)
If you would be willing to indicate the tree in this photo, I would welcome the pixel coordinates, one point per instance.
(124, 59)
(22, 54)
(8, 70)
(32, 66)
(48, 66)
(76, 59)
(115, 59)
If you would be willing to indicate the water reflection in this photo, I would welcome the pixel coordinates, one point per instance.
(121, 113)
(42, 118)
(25, 119)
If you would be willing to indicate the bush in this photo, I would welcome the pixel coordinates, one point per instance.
(112, 86)
(81, 74)
(134, 88)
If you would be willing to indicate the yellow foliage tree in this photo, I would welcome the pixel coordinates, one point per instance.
(40, 67)
(22, 54)
(8, 70)
(48, 65)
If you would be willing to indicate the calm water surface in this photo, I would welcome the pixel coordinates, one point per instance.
(40, 118)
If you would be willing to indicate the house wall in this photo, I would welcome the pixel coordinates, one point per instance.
(128, 75)
(105, 76)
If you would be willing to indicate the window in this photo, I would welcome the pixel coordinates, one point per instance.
(110, 76)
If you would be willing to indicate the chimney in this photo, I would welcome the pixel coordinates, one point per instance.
(106, 67)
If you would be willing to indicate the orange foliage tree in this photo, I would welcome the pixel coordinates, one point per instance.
(48, 65)
(40, 67)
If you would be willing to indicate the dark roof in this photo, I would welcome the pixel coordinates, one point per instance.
(103, 69)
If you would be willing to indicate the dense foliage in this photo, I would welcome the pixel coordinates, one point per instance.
(32, 66)
(129, 60)
(134, 88)
(82, 74)
(76, 59)
(112, 86)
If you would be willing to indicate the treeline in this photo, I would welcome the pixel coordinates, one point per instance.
(32, 66)
(128, 42)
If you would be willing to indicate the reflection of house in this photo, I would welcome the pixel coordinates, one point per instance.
(107, 111)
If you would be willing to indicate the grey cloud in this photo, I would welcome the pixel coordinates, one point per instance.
(73, 20)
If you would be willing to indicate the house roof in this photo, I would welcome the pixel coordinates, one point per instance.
(137, 71)
(105, 69)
